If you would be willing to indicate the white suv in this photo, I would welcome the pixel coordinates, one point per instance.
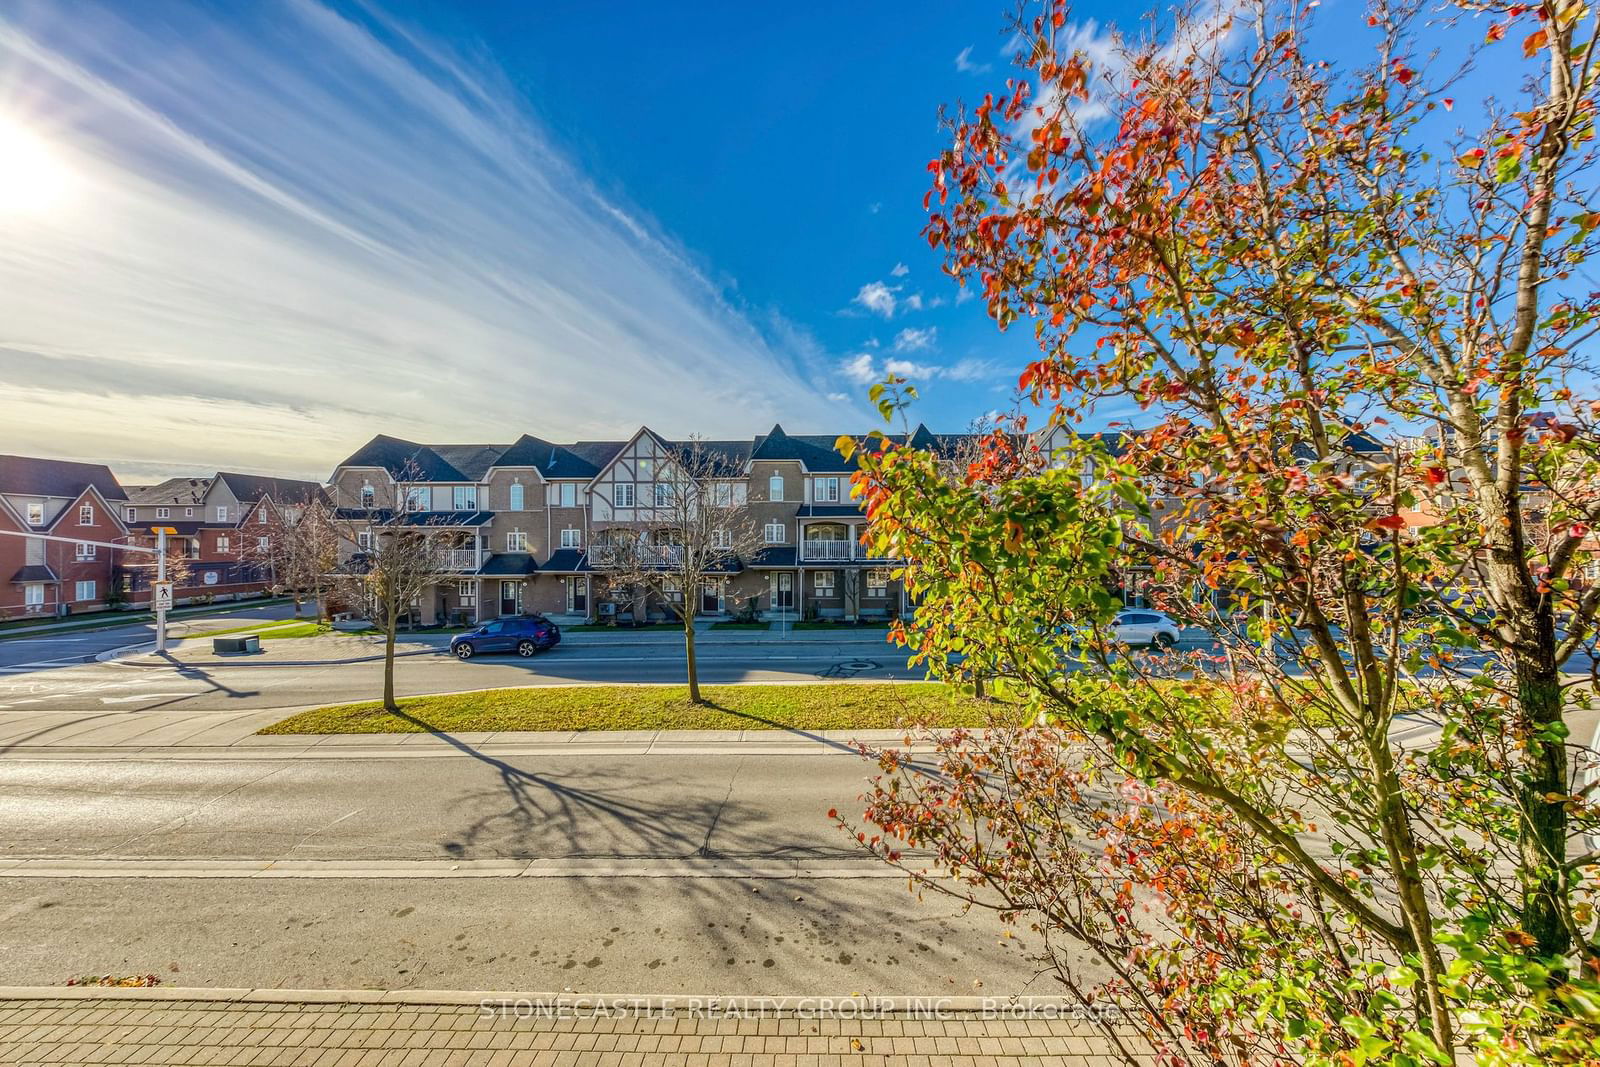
(1138, 626)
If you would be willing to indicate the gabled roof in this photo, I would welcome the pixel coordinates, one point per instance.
(36, 572)
(28, 476)
(183, 492)
(252, 487)
(427, 463)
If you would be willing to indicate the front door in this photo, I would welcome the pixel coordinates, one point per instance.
(782, 591)
(511, 598)
(578, 596)
(711, 599)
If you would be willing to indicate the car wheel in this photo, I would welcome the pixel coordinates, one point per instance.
(526, 648)
(1164, 641)
(464, 651)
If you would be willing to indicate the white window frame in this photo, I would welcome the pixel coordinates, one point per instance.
(825, 490)
(188, 513)
(35, 514)
(163, 513)
(463, 498)
(663, 494)
(85, 514)
(569, 495)
(621, 499)
(823, 588)
(467, 593)
(516, 541)
(33, 595)
(721, 538)
(877, 579)
(263, 544)
(775, 486)
(82, 550)
(571, 537)
(224, 544)
(132, 514)
(782, 537)
(419, 498)
(261, 515)
(85, 585)
(517, 498)
(364, 540)
(222, 513)
(368, 496)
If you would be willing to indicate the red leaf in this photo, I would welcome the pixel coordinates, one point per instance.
(1434, 475)
(1534, 42)
(1388, 522)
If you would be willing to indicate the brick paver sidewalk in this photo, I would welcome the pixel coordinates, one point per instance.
(174, 1031)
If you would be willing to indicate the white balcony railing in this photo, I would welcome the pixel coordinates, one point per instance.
(825, 550)
(459, 559)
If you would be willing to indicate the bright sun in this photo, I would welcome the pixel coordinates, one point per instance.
(33, 179)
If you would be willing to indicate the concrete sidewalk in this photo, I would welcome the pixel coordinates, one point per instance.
(333, 1028)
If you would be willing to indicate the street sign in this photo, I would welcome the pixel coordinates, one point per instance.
(162, 596)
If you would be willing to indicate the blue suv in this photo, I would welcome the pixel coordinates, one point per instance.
(522, 634)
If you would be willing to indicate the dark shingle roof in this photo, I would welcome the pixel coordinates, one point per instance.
(426, 463)
(37, 572)
(508, 565)
(27, 476)
(253, 487)
(183, 492)
(567, 560)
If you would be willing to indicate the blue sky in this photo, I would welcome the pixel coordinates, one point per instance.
(265, 231)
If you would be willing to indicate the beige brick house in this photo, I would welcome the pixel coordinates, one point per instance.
(521, 523)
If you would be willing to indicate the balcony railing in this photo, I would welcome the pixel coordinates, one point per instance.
(459, 559)
(825, 550)
(636, 555)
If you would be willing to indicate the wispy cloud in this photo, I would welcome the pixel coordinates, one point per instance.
(878, 298)
(860, 369)
(965, 65)
(915, 340)
(900, 271)
(289, 230)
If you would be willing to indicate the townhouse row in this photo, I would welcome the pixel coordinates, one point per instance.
(71, 535)
(524, 527)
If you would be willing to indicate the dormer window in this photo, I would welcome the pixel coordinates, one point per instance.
(35, 514)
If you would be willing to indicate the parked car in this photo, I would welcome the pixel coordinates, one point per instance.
(1137, 626)
(522, 634)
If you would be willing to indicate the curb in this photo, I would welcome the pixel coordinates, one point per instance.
(542, 1001)
(148, 648)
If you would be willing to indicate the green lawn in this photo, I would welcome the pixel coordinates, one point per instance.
(278, 629)
(822, 625)
(822, 706)
(730, 625)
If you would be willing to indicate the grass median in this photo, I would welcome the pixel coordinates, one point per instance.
(822, 706)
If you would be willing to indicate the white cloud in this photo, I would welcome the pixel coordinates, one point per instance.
(907, 369)
(915, 340)
(965, 64)
(259, 271)
(875, 207)
(900, 271)
(878, 298)
(860, 369)
(972, 370)
(964, 294)
(914, 301)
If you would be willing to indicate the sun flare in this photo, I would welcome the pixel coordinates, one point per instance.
(33, 178)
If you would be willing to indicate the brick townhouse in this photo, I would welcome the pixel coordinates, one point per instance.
(222, 522)
(53, 498)
(520, 521)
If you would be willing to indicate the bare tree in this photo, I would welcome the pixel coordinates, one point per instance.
(298, 547)
(397, 556)
(693, 532)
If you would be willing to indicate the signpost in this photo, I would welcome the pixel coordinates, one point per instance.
(160, 552)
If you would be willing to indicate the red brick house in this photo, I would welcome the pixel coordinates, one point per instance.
(49, 498)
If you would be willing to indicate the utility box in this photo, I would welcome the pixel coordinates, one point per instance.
(245, 643)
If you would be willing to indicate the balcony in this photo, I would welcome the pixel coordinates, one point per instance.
(462, 560)
(830, 551)
(636, 555)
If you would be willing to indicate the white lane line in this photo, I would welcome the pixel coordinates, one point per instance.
(144, 696)
(770, 870)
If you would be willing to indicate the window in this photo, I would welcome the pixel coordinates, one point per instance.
(222, 513)
(516, 541)
(83, 550)
(623, 497)
(825, 490)
(721, 538)
(467, 592)
(263, 543)
(516, 496)
(464, 498)
(569, 495)
(417, 498)
(188, 513)
(777, 533)
(163, 513)
(222, 544)
(33, 595)
(132, 514)
(86, 515)
(85, 591)
(663, 494)
(775, 487)
(364, 540)
(35, 514)
(877, 583)
(823, 583)
(261, 515)
(571, 538)
(369, 496)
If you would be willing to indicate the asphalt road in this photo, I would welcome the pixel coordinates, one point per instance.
(707, 929)
(70, 646)
(245, 685)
